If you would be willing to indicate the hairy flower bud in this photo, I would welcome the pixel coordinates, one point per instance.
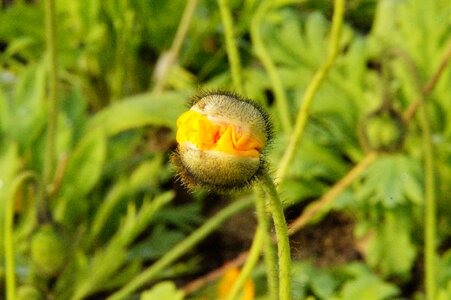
(221, 140)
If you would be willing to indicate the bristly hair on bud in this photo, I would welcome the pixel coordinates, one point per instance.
(222, 141)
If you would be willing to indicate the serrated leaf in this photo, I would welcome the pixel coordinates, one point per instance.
(392, 180)
(391, 249)
(134, 223)
(300, 189)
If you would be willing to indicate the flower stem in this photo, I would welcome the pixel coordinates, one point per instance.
(180, 249)
(312, 88)
(53, 106)
(283, 245)
(430, 220)
(232, 49)
(8, 235)
(251, 261)
(263, 55)
(270, 256)
(171, 56)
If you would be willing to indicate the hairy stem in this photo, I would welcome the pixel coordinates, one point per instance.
(270, 256)
(283, 245)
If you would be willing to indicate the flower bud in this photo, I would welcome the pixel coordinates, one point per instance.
(383, 130)
(221, 140)
(28, 292)
(49, 250)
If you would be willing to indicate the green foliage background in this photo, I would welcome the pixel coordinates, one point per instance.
(114, 202)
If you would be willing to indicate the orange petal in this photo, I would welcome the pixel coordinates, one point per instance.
(196, 128)
(227, 281)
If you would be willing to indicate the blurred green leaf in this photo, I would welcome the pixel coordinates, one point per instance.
(184, 217)
(9, 166)
(392, 180)
(368, 287)
(4, 115)
(146, 174)
(139, 111)
(322, 282)
(85, 164)
(160, 241)
(163, 290)
(134, 223)
(29, 106)
(391, 250)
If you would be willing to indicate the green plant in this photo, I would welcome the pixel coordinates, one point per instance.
(85, 142)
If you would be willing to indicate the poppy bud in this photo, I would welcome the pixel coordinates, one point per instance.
(49, 250)
(221, 140)
(383, 130)
(28, 292)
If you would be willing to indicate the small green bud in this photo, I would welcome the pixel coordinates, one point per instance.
(48, 251)
(383, 131)
(28, 292)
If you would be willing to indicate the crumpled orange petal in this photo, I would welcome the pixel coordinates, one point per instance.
(196, 128)
(227, 281)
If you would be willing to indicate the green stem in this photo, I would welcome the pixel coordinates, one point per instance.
(180, 249)
(312, 88)
(251, 261)
(8, 235)
(53, 105)
(232, 49)
(283, 244)
(270, 256)
(263, 55)
(171, 56)
(430, 220)
(122, 27)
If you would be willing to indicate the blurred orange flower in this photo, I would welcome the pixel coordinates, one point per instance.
(227, 281)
